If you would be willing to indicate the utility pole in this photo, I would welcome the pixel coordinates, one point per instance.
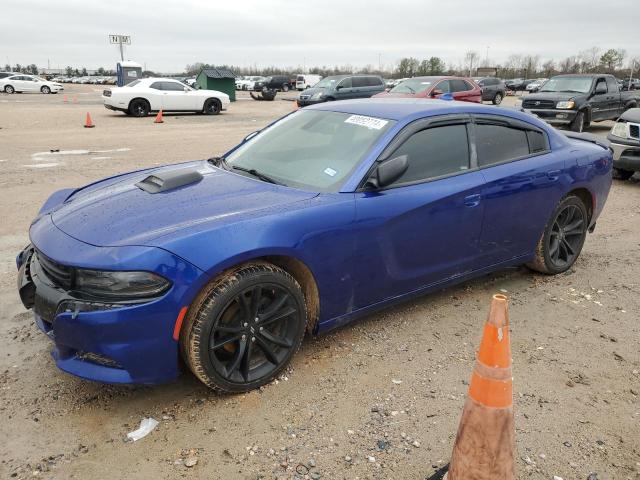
(486, 59)
(120, 40)
(380, 63)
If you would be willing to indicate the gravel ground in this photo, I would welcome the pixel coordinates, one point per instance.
(378, 399)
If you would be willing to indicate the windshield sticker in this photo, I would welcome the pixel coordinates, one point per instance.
(330, 171)
(369, 122)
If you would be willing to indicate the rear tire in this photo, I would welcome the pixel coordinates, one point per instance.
(212, 107)
(563, 237)
(620, 174)
(244, 327)
(9, 89)
(497, 100)
(139, 108)
(578, 123)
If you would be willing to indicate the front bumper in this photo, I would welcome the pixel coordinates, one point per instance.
(626, 154)
(554, 116)
(115, 342)
(307, 101)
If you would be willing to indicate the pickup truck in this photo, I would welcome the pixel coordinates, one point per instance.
(574, 101)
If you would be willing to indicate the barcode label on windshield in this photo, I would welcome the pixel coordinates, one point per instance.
(369, 122)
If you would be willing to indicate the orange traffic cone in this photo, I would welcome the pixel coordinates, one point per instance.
(65, 100)
(159, 118)
(88, 123)
(485, 445)
(295, 105)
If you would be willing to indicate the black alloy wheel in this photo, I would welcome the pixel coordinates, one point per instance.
(139, 108)
(563, 238)
(212, 107)
(245, 328)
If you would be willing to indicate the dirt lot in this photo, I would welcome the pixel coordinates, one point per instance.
(379, 399)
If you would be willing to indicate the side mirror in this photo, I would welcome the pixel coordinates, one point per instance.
(435, 93)
(186, 89)
(339, 87)
(250, 136)
(389, 171)
(601, 88)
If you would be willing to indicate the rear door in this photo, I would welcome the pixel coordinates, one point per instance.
(523, 185)
(614, 104)
(424, 228)
(463, 91)
(361, 87)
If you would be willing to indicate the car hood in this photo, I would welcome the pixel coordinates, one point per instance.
(116, 212)
(314, 90)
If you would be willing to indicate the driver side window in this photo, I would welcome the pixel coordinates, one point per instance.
(435, 152)
(346, 83)
(444, 86)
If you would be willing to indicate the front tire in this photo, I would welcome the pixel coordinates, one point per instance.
(497, 100)
(244, 327)
(578, 123)
(563, 237)
(285, 87)
(46, 90)
(620, 174)
(9, 89)
(212, 107)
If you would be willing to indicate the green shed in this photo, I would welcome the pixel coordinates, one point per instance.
(221, 79)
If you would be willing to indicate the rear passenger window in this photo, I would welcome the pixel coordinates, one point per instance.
(537, 141)
(498, 143)
(435, 152)
(374, 81)
(155, 85)
(359, 81)
(459, 86)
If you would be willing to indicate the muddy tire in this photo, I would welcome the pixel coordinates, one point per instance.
(244, 327)
(563, 237)
(578, 123)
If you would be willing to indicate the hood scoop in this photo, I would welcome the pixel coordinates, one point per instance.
(169, 180)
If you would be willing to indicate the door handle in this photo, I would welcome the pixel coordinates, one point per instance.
(472, 200)
(554, 174)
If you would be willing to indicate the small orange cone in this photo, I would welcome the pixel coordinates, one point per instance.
(65, 100)
(88, 123)
(485, 445)
(159, 117)
(295, 105)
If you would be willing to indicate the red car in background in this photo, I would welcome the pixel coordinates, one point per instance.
(462, 88)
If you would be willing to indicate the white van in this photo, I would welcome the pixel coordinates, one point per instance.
(304, 81)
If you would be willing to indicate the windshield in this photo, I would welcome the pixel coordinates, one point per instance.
(327, 82)
(312, 150)
(568, 84)
(412, 85)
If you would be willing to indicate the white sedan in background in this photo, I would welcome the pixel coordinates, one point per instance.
(23, 83)
(141, 97)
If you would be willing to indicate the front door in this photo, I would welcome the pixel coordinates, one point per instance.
(599, 101)
(344, 90)
(175, 98)
(426, 227)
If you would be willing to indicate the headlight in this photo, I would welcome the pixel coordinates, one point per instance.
(120, 284)
(620, 130)
(566, 105)
(317, 96)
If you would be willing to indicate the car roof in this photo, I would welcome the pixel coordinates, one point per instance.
(408, 109)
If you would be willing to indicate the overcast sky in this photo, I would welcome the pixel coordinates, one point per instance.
(168, 34)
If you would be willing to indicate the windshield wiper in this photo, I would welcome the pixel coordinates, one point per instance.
(412, 90)
(218, 162)
(257, 174)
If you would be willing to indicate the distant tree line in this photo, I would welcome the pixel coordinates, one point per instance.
(592, 60)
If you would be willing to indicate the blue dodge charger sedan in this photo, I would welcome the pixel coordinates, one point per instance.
(329, 213)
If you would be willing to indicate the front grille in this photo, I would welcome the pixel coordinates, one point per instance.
(634, 130)
(531, 103)
(60, 275)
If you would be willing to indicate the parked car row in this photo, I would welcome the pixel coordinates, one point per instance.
(89, 79)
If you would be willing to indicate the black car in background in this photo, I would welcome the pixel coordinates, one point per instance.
(279, 83)
(493, 89)
(576, 100)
